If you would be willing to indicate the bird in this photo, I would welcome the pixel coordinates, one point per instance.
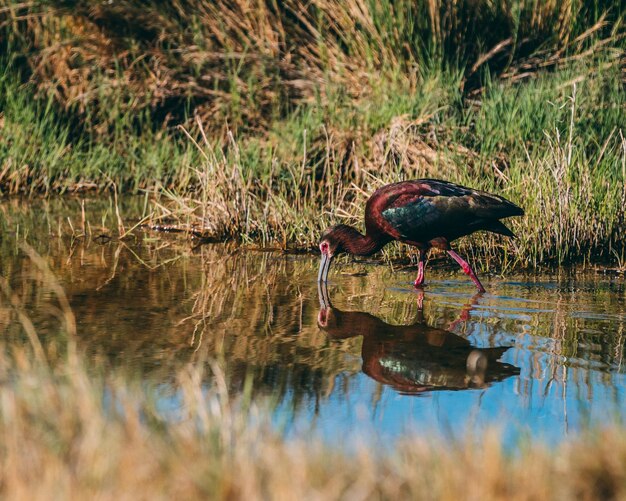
(423, 213)
(415, 358)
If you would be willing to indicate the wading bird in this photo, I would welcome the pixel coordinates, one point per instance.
(423, 213)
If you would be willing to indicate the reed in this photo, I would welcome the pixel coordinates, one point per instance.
(574, 196)
(62, 436)
(264, 122)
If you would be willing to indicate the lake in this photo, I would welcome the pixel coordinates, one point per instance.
(366, 358)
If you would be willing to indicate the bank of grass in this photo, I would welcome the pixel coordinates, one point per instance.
(41, 152)
(299, 110)
(554, 146)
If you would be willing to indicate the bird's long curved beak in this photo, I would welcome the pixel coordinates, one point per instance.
(322, 276)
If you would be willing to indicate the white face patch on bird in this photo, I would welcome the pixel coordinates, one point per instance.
(325, 247)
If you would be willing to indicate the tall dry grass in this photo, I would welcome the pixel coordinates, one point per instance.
(575, 202)
(238, 64)
(61, 438)
(304, 108)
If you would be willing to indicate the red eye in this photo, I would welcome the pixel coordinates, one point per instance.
(324, 247)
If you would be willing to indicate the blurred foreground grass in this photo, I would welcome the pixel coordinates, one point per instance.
(66, 433)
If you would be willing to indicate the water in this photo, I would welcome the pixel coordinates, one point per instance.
(539, 355)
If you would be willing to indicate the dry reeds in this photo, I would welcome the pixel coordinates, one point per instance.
(573, 208)
(62, 437)
(263, 121)
(237, 64)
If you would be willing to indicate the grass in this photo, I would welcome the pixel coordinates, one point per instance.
(41, 153)
(574, 194)
(62, 436)
(266, 124)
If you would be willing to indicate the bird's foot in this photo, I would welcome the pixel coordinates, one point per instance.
(467, 269)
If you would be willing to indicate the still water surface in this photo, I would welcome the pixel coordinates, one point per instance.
(368, 356)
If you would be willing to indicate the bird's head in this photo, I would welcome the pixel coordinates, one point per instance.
(331, 244)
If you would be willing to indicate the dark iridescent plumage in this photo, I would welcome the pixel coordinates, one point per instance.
(423, 213)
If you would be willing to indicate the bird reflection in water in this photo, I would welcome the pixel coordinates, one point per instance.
(416, 358)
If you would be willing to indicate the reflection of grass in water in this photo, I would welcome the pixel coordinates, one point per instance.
(557, 337)
(258, 312)
(134, 299)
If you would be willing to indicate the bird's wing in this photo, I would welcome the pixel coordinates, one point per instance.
(480, 203)
(386, 207)
(439, 209)
(419, 218)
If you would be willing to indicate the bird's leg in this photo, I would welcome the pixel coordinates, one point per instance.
(420, 269)
(467, 269)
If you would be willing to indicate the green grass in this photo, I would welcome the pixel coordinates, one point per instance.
(299, 111)
(40, 151)
(553, 145)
